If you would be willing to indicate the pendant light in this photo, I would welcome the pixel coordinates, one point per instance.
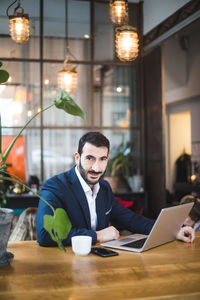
(118, 11)
(18, 24)
(126, 43)
(67, 78)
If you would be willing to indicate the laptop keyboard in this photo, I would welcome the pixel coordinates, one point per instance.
(136, 244)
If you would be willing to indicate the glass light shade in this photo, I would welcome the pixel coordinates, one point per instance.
(118, 11)
(126, 43)
(68, 79)
(19, 28)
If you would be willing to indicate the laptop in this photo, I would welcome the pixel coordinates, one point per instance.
(164, 230)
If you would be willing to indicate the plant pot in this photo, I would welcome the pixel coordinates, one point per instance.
(6, 216)
(136, 183)
(113, 181)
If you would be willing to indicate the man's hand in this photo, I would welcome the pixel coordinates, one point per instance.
(107, 234)
(186, 234)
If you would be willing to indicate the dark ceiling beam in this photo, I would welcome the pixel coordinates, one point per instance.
(181, 18)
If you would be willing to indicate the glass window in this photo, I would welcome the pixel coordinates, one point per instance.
(109, 99)
(119, 136)
(33, 153)
(78, 29)
(115, 96)
(116, 137)
(103, 33)
(59, 148)
(56, 48)
(57, 117)
(20, 95)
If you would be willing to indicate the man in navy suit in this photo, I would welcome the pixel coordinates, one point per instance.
(88, 199)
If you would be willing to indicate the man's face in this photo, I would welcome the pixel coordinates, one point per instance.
(92, 163)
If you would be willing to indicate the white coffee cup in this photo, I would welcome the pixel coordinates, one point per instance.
(81, 244)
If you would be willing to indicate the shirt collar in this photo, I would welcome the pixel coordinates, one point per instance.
(85, 186)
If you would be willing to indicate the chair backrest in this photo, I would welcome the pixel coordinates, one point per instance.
(25, 228)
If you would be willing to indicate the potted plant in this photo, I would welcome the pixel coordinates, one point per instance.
(58, 225)
(123, 164)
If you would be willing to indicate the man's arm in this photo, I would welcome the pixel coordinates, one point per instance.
(108, 234)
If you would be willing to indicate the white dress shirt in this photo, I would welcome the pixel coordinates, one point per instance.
(91, 197)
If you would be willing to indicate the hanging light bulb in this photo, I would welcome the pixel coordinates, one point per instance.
(68, 77)
(19, 25)
(126, 43)
(118, 11)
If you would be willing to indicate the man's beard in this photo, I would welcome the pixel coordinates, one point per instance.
(83, 174)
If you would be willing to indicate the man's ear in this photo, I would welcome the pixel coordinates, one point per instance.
(76, 157)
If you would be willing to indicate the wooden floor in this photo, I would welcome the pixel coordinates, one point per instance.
(171, 271)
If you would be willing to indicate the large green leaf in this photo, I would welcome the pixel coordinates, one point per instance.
(48, 225)
(58, 226)
(65, 102)
(3, 76)
(62, 224)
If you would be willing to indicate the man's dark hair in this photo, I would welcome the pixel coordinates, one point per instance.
(95, 138)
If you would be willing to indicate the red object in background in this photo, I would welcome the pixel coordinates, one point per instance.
(132, 204)
(124, 203)
(16, 157)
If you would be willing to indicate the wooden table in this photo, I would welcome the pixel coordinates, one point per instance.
(171, 271)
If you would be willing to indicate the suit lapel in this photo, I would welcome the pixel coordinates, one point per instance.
(100, 210)
(80, 196)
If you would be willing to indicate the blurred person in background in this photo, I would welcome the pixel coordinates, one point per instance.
(193, 218)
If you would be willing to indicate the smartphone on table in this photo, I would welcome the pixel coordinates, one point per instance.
(103, 252)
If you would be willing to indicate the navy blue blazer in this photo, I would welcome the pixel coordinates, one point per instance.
(65, 191)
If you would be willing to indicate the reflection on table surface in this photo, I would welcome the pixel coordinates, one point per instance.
(171, 271)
